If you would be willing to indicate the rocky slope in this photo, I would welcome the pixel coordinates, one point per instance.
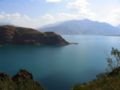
(19, 35)
(23, 80)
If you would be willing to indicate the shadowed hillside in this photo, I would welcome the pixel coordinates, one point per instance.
(19, 35)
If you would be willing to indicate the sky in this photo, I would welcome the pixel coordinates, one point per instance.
(37, 13)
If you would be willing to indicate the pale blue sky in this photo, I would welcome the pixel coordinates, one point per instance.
(35, 13)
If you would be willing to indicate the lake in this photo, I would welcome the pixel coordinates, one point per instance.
(61, 67)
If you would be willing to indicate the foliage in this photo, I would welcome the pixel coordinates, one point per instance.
(109, 80)
(23, 80)
(114, 60)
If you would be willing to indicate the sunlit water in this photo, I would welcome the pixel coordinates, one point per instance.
(59, 68)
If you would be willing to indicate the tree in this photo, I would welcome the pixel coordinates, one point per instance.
(114, 60)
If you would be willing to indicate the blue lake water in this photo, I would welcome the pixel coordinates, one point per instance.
(59, 68)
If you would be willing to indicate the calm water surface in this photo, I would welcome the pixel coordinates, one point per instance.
(59, 68)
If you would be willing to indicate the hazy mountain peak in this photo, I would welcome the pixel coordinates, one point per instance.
(84, 26)
(118, 26)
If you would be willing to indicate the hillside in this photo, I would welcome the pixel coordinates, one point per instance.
(23, 80)
(105, 81)
(84, 27)
(20, 36)
(109, 81)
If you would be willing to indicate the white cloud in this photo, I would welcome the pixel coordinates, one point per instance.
(114, 17)
(79, 9)
(48, 1)
(82, 7)
(16, 19)
(13, 17)
(53, 1)
(111, 15)
(26, 21)
(1, 16)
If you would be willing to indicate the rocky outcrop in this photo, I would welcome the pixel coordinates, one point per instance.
(23, 80)
(19, 35)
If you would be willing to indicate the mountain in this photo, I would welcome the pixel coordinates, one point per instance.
(85, 27)
(118, 26)
(20, 36)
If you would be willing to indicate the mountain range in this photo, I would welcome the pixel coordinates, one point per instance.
(84, 27)
(118, 26)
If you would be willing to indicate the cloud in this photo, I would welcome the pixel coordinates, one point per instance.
(48, 1)
(14, 18)
(53, 1)
(111, 15)
(81, 7)
(114, 17)
(25, 20)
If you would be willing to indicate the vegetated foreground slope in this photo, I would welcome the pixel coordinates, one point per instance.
(23, 80)
(105, 81)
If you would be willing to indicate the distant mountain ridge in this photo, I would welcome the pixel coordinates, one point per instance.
(85, 27)
(118, 26)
